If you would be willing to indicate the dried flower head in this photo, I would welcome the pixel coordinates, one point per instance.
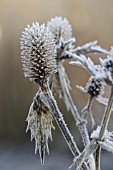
(38, 53)
(60, 28)
(108, 64)
(40, 124)
(94, 86)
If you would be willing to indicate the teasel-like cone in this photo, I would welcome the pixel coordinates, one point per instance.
(40, 124)
(62, 32)
(60, 28)
(38, 53)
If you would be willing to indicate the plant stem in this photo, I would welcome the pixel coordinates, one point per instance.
(98, 153)
(88, 150)
(61, 123)
(104, 125)
(65, 89)
(94, 143)
(87, 111)
(106, 116)
(81, 123)
(87, 48)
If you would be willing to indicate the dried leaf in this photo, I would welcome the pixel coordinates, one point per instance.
(40, 124)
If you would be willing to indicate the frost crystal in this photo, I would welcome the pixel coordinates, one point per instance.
(40, 124)
(107, 142)
(107, 135)
(60, 28)
(38, 53)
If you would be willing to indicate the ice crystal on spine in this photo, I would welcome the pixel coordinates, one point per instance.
(60, 28)
(107, 135)
(107, 142)
(40, 124)
(38, 53)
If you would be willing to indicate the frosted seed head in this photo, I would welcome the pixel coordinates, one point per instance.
(60, 28)
(38, 53)
(108, 64)
(94, 86)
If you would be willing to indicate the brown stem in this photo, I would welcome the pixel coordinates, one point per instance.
(98, 152)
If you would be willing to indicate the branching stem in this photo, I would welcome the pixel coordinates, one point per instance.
(106, 116)
(61, 124)
(104, 125)
(81, 123)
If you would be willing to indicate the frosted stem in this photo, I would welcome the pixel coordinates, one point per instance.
(66, 92)
(90, 47)
(106, 116)
(61, 124)
(98, 152)
(104, 125)
(89, 149)
(87, 111)
(81, 123)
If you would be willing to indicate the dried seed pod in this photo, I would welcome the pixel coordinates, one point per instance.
(40, 124)
(60, 28)
(107, 66)
(38, 53)
(94, 86)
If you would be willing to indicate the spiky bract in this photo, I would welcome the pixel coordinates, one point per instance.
(40, 124)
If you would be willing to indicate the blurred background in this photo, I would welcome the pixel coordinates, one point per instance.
(91, 20)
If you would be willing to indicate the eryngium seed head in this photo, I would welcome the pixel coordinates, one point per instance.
(38, 53)
(94, 86)
(60, 28)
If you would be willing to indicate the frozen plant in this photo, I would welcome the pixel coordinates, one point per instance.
(44, 48)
